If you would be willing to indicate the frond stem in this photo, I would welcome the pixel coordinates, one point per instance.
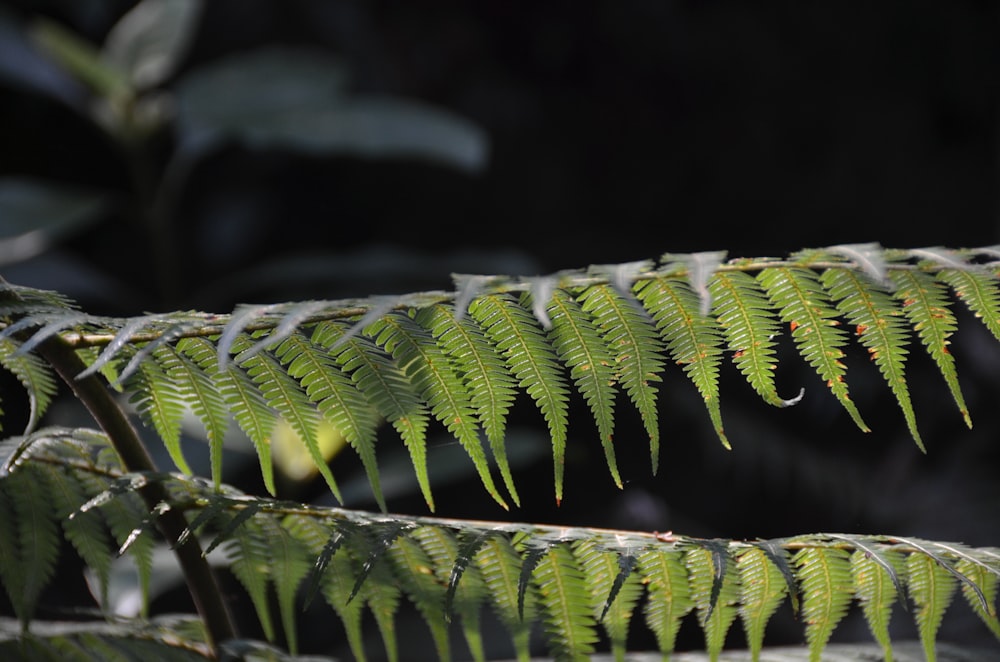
(201, 581)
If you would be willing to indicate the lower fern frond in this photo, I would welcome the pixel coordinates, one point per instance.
(572, 582)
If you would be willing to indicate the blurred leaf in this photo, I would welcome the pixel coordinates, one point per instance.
(291, 455)
(35, 214)
(296, 100)
(148, 42)
(22, 63)
(80, 58)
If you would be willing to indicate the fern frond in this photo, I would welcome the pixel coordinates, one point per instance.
(36, 376)
(567, 607)
(614, 589)
(515, 333)
(824, 575)
(198, 389)
(762, 590)
(337, 398)
(284, 394)
(290, 563)
(805, 306)
(490, 384)
(578, 344)
(928, 309)
(877, 324)
(463, 597)
(249, 557)
(668, 594)
(431, 372)
(85, 531)
(749, 327)
(714, 586)
(978, 289)
(691, 338)
(500, 566)
(415, 570)
(932, 587)
(36, 536)
(877, 590)
(386, 388)
(635, 345)
(248, 406)
(160, 403)
(987, 581)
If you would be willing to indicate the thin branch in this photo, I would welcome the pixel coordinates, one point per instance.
(201, 581)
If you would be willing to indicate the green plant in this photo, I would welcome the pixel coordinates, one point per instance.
(458, 360)
(319, 375)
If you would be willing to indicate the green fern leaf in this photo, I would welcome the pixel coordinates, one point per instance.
(338, 573)
(824, 575)
(85, 531)
(514, 331)
(579, 345)
(805, 306)
(932, 587)
(123, 512)
(635, 345)
(500, 564)
(382, 595)
(388, 390)
(714, 591)
(34, 374)
(987, 581)
(249, 408)
(464, 598)
(290, 563)
(877, 589)
(762, 589)
(283, 393)
(668, 594)
(691, 338)
(10, 562)
(160, 403)
(926, 305)
(876, 319)
(980, 292)
(749, 327)
(337, 397)
(431, 372)
(38, 539)
(490, 384)
(567, 608)
(468, 545)
(249, 557)
(415, 573)
(199, 391)
(614, 590)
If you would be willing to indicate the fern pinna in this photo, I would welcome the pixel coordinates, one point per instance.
(459, 361)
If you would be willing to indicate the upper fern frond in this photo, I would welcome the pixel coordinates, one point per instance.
(591, 333)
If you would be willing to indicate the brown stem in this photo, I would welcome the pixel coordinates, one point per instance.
(172, 523)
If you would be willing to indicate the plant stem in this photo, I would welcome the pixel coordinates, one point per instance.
(201, 581)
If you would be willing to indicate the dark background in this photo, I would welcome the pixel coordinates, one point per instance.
(618, 131)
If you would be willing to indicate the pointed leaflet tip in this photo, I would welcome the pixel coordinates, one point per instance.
(701, 267)
(238, 321)
(121, 338)
(467, 288)
(294, 317)
(542, 289)
(378, 307)
(868, 257)
(942, 257)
